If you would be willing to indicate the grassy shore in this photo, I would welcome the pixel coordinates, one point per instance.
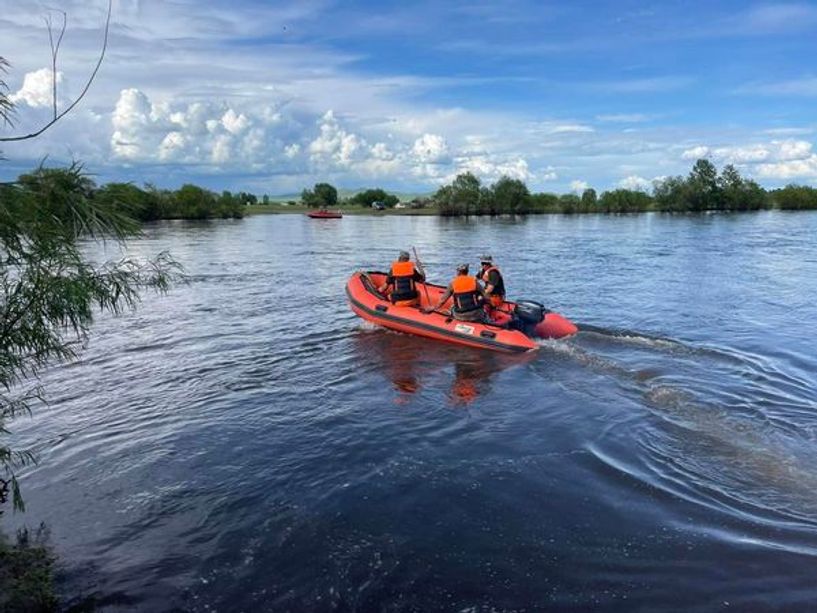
(26, 576)
(277, 209)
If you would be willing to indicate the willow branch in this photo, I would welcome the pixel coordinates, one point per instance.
(70, 107)
(55, 51)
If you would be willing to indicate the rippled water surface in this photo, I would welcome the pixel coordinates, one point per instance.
(246, 443)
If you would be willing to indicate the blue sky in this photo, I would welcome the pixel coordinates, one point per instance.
(273, 96)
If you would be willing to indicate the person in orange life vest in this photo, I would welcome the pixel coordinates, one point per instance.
(468, 295)
(492, 278)
(402, 278)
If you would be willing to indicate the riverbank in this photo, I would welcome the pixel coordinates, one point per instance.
(26, 575)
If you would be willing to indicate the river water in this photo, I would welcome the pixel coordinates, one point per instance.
(246, 443)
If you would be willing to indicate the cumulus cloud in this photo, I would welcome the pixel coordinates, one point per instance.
(234, 123)
(172, 146)
(549, 174)
(578, 186)
(431, 149)
(777, 159)
(793, 159)
(805, 169)
(133, 125)
(793, 150)
(753, 153)
(196, 133)
(36, 91)
(635, 182)
(334, 144)
(491, 169)
(695, 153)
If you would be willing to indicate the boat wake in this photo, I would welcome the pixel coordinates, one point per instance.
(724, 429)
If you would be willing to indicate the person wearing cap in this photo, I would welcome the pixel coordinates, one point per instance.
(494, 283)
(468, 296)
(402, 278)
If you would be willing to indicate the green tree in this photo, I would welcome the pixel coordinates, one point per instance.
(544, 203)
(194, 202)
(138, 203)
(569, 203)
(461, 197)
(511, 196)
(589, 200)
(369, 196)
(486, 203)
(795, 197)
(49, 289)
(625, 201)
(705, 192)
(323, 195)
(739, 194)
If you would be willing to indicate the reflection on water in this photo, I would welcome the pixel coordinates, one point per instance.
(247, 443)
(409, 362)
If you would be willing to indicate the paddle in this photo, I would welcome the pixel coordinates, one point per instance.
(422, 270)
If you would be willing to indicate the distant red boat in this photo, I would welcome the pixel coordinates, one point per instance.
(325, 214)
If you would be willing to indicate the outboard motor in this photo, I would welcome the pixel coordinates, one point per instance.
(529, 311)
(527, 315)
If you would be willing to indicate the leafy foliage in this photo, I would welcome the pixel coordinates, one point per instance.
(49, 289)
(461, 197)
(26, 574)
(370, 196)
(323, 195)
(510, 196)
(467, 196)
(623, 201)
(704, 190)
(188, 202)
(795, 197)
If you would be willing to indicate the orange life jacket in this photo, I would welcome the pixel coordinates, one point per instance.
(466, 294)
(404, 287)
(499, 288)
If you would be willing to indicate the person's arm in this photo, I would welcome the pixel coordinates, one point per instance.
(389, 282)
(448, 293)
(482, 293)
(419, 276)
(490, 285)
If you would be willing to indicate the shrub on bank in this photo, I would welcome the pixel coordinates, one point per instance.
(368, 197)
(26, 575)
(795, 198)
(188, 202)
(704, 190)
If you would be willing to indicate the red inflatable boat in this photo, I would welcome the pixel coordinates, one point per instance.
(371, 305)
(324, 214)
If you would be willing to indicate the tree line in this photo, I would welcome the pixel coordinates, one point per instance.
(324, 195)
(703, 189)
(148, 204)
